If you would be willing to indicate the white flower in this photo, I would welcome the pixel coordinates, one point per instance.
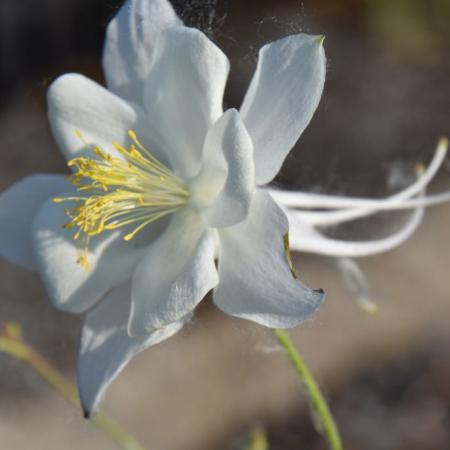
(157, 205)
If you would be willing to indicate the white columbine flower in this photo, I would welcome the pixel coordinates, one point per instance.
(164, 183)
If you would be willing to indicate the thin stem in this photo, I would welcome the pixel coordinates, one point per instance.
(257, 440)
(319, 405)
(12, 343)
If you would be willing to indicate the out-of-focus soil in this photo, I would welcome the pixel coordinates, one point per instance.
(204, 388)
(401, 403)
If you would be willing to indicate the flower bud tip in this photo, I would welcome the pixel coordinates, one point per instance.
(320, 38)
(442, 144)
(86, 413)
(368, 306)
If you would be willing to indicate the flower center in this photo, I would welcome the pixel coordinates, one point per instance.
(136, 190)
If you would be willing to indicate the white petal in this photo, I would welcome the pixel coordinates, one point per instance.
(78, 103)
(256, 282)
(106, 347)
(130, 44)
(175, 274)
(227, 165)
(18, 206)
(184, 92)
(69, 286)
(282, 98)
(304, 238)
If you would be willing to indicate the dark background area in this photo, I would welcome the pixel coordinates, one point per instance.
(387, 93)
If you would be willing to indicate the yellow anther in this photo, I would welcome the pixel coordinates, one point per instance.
(132, 135)
(134, 191)
(83, 261)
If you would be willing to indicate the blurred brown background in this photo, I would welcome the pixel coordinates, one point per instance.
(386, 101)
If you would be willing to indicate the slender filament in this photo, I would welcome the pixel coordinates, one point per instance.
(133, 189)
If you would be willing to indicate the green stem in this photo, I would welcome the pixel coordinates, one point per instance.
(257, 440)
(319, 405)
(12, 343)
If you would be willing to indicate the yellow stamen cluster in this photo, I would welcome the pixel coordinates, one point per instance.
(136, 190)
